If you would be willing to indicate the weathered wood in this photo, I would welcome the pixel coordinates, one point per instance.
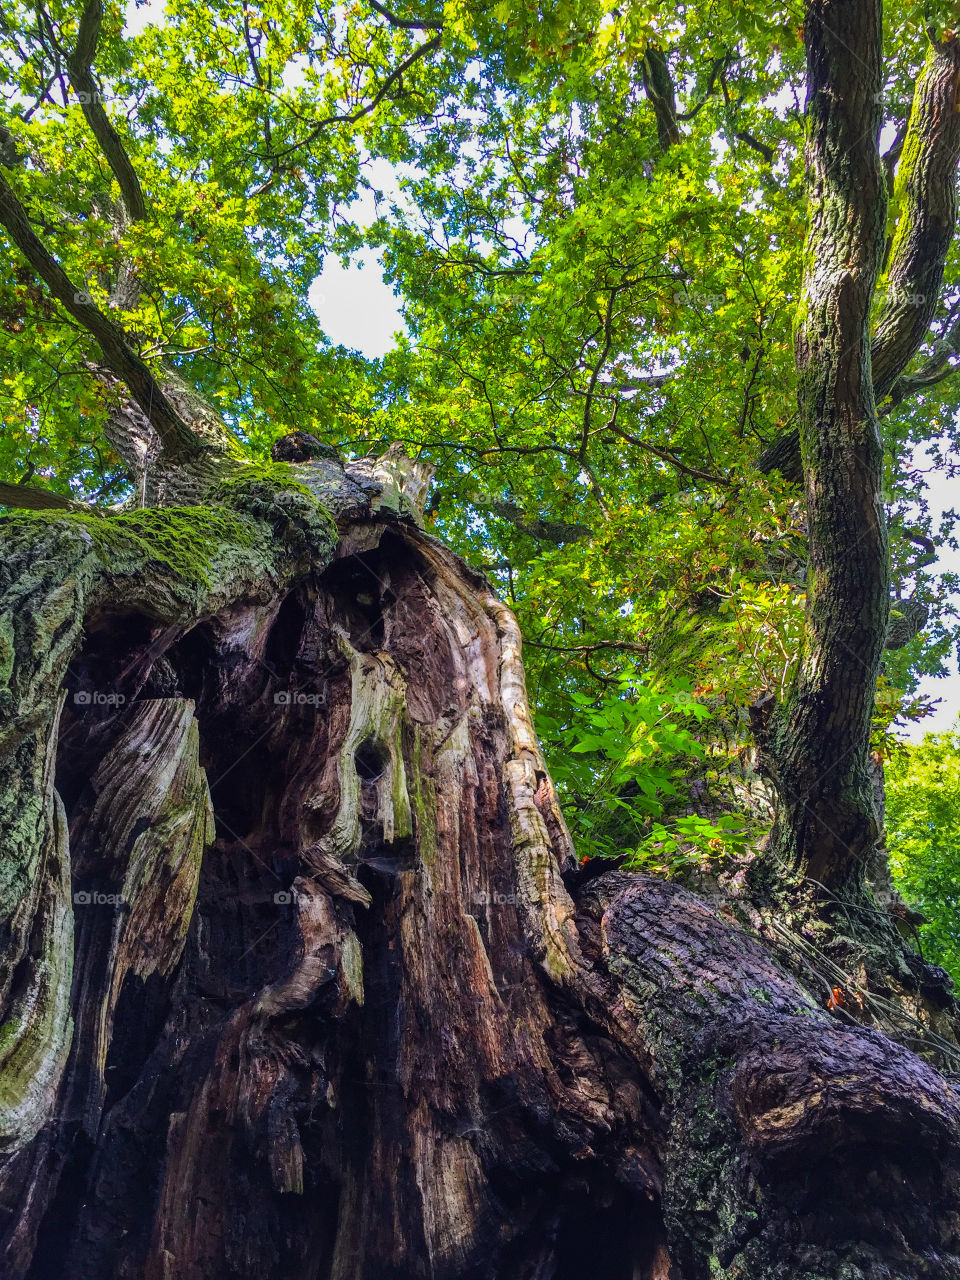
(370, 1021)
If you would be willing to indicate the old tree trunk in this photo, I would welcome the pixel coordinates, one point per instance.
(300, 976)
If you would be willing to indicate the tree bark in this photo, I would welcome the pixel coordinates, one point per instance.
(303, 978)
(925, 200)
(817, 748)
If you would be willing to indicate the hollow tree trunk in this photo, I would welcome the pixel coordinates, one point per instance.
(302, 978)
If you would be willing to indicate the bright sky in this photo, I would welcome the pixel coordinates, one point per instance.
(359, 310)
(355, 306)
(942, 494)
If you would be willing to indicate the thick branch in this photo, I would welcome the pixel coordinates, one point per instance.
(926, 195)
(176, 437)
(26, 498)
(405, 24)
(933, 371)
(926, 200)
(556, 531)
(79, 64)
(658, 86)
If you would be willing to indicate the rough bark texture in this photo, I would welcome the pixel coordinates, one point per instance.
(818, 741)
(925, 209)
(303, 979)
(925, 201)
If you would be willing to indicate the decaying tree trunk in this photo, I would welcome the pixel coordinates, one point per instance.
(302, 978)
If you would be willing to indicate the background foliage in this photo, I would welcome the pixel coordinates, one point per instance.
(923, 836)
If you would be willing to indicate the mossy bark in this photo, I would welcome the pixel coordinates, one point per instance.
(922, 222)
(817, 746)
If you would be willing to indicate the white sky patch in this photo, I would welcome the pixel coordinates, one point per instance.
(356, 306)
(140, 15)
(942, 496)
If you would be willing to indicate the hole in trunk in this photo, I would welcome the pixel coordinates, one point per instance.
(369, 761)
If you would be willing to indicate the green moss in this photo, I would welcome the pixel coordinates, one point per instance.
(191, 542)
(7, 650)
(271, 491)
(254, 475)
(423, 795)
(182, 540)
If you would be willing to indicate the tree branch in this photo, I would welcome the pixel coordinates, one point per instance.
(754, 144)
(926, 194)
(595, 372)
(935, 370)
(719, 66)
(405, 24)
(176, 437)
(555, 531)
(925, 187)
(80, 68)
(694, 472)
(658, 86)
(27, 498)
(352, 117)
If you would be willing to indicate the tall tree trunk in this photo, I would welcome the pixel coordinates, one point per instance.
(818, 746)
(302, 978)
